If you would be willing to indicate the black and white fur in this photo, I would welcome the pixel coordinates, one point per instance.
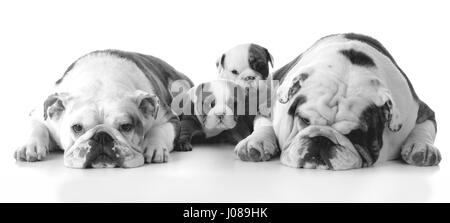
(345, 103)
(245, 63)
(110, 108)
(214, 112)
(248, 65)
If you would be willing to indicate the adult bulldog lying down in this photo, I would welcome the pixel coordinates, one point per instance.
(110, 109)
(345, 103)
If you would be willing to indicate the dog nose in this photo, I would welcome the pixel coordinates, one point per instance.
(220, 115)
(249, 78)
(102, 138)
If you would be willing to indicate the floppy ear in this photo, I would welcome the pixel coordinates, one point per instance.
(219, 63)
(269, 57)
(392, 116)
(54, 105)
(147, 103)
(385, 100)
(294, 87)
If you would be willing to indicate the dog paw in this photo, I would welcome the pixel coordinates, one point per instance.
(183, 146)
(420, 154)
(33, 150)
(156, 154)
(256, 148)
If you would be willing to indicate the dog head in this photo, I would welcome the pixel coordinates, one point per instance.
(333, 121)
(218, 105)
(246, 63)
(101, 131)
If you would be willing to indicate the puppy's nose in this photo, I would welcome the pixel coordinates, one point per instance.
(249, 78)
(102, 138)
(220, 115)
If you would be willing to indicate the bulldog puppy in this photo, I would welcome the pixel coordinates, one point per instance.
(345, 103)
(248, 65)
(110, 109)
(245, 63)
(214, 112)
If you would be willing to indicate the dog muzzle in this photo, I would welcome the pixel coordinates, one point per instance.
(321, 147)
(101, 147)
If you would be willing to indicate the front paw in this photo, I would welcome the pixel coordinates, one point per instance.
(421, 154)
(183, 146)
(33, 150)
(256, 148)
(156, 154)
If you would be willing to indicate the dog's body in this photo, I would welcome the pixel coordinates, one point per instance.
(110, 108)
(344, 103)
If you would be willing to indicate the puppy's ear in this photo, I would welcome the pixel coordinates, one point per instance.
(259, 59)
(220, 63)
(269, 57)
(147, 103)
(294, 87)
(54, 105)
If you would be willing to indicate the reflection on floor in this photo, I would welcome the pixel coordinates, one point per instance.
(214, 174)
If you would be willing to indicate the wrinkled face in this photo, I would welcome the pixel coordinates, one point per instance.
(219, 104)
(245, 64)
(334, 123)
(104, 133)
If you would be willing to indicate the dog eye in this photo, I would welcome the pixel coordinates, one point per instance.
(235, 72)
(125, 127)
(305, 120)
(213, 103)
(77, 128)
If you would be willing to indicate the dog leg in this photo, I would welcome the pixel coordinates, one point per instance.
(418, 148)
(189, 127)
(159, 142)
(37, 144)
(261, 145)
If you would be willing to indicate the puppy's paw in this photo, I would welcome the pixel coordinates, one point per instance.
(420, 154)
(256, 148)
(34, 150)
(183, 146)
(156, 154)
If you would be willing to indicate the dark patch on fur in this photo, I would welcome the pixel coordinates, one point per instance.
(303, 76)
(368, 139)
(358, 58)
(221, 62)
(52, 106)
(297, 102)
(378, 46)
(425, 113)
(259, 59)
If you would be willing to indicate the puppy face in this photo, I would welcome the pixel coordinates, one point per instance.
(104, 132)
(245, 64)
(218, 104)
(334, 122)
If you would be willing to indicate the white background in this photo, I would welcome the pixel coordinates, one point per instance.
(40, 39)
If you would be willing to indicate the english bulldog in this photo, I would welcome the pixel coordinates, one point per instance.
(248, 66)
(345, 103)
(219, 111)
(111, 108)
